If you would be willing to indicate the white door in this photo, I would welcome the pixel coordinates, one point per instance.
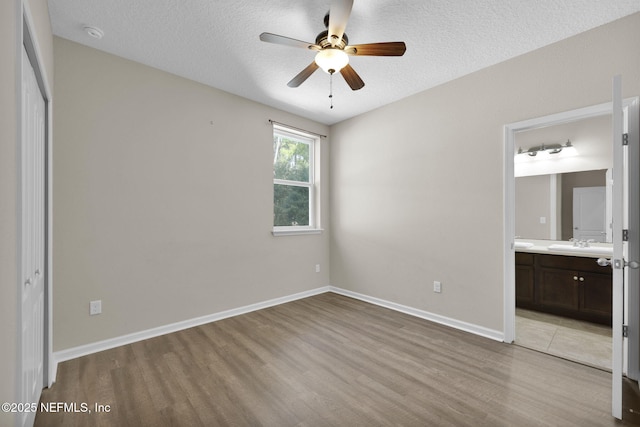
(632, 273)
(32, 239)
(589, 212)
(626, 242)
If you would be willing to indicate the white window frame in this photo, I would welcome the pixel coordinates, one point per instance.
(314, 199)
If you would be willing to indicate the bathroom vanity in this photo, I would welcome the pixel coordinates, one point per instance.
(553, 278)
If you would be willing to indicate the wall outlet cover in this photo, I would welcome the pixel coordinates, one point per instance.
(437, 286)
(95, 307)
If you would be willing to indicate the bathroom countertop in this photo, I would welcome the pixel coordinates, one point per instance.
(542, 247)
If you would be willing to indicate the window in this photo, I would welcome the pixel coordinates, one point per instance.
(294, 189)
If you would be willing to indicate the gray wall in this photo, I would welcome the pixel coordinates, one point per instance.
(163, 200)
(533, 200)
(417, 186)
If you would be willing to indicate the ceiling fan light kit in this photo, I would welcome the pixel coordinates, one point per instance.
(332, 60)
(333, 49)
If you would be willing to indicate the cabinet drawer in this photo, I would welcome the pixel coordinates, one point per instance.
(523, 258)
(572, 263)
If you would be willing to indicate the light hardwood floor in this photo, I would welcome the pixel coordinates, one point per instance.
(335, 361)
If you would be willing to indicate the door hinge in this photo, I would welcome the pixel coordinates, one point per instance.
(625, 139)
(625, 235)
(625, 331)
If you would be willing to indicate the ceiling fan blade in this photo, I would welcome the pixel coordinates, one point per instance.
(303, 75)
(338, 17)
(287, 41)
(377, 49)
(352, 78)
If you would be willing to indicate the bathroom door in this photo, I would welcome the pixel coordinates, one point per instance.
(625, 243)
(589, 211)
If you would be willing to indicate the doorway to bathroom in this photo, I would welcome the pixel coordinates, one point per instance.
(563, 195)
(543, 289)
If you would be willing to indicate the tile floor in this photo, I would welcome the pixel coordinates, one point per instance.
(582, 342)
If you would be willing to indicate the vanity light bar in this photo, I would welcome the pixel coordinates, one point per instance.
(551, 149)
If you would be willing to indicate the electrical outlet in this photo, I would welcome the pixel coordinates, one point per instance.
(437, 286)
(317, 268)
(95, 307)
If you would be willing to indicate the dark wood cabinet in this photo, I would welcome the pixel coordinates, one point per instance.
(558, 289)
(596, 297)
(570, 286)
(524, 280)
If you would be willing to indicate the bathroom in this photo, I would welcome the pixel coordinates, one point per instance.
(562, 227)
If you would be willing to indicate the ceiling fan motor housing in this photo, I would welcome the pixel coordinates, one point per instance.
(322, 40)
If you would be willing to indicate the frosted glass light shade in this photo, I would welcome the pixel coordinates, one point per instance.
(332, 60)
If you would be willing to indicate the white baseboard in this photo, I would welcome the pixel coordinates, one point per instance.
(83, 350)
(447, 321)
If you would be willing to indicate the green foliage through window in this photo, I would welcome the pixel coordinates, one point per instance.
(293, 180)
(290, 159)
(290, 205)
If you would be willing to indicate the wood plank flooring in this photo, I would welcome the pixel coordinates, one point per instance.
(330, 360)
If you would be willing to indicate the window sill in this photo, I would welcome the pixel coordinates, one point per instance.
(297, 232)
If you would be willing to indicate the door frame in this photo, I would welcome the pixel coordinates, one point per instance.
(510, 130)
(26, 26)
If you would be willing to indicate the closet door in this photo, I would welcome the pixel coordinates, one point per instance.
(32, 239)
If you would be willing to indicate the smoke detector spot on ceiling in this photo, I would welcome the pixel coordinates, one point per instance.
(94, 32)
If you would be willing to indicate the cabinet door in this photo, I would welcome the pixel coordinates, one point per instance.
(596, 296)
(558, 289)
(524, 286)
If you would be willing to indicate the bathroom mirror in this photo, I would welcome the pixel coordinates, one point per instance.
(561, 180)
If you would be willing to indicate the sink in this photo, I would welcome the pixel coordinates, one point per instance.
(588, 250)
(522, 245)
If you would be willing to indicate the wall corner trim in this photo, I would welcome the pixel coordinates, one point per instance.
(446, 321)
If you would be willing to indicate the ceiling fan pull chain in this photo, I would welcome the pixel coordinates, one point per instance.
(331, 90)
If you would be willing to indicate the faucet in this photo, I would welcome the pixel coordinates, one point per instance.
(581, 243)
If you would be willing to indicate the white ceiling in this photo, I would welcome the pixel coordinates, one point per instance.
(215, 42)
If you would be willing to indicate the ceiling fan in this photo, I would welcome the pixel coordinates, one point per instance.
(333, 49)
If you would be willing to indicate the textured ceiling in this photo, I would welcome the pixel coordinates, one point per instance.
(215, 42)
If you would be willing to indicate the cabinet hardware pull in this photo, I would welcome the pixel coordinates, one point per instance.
(582, 279)
(575, 277)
